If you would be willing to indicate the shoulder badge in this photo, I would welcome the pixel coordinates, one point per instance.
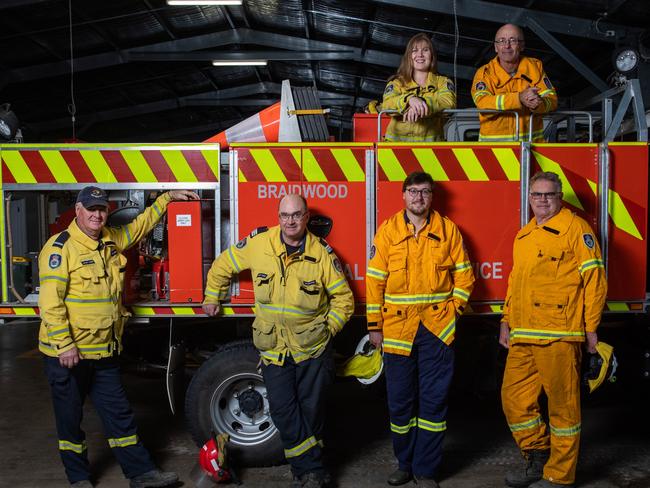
(55, 261)
(337, 265)
(373, 250)
(327, 247)
(241, 243)
(589, 240)
(547, 82)
(480, 86)
(450, 86)
(389, 88)
(259, 230)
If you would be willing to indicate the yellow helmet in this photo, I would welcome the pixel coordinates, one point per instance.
(602, 366)
(366, 365)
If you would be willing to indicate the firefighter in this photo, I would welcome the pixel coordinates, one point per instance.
(302, 300)
(515, 83)
(556, 293)
(419, 94)
(419, 280)
(82, 320)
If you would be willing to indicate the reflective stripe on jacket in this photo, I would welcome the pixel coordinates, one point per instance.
(411, 279)
(557, 286)
(438, 93)
(81, 282)
(301, 300)
(495, 89)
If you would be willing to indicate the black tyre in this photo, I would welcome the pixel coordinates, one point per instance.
(227, 395)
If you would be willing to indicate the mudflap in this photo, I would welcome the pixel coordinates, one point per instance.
(175, 367)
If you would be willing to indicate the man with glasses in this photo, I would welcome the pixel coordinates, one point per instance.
(302, 299)
(418, 282)
(556, 293)
(512, 82)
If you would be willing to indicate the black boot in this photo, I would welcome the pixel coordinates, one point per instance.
(533, 470)
(399, 477)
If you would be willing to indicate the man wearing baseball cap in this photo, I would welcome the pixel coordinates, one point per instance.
(82, 320)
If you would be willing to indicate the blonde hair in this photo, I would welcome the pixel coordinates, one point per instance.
(405, 70)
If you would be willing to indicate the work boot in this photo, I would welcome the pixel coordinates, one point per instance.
(399, 477)
(426, 483)
(82, 484)
(154, 479)
(533, 471)
(543, 483)
(312, 480)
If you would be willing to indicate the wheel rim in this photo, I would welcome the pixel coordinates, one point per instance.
(239, 407)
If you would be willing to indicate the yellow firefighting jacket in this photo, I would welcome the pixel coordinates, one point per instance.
(495, 89)
(81, 282)
(301, 300)
(438, 93)
(412, 279)
(557, 286)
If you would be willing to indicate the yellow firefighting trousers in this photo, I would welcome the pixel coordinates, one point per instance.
(555, 368)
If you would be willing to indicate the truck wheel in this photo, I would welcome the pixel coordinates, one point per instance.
(227, 395)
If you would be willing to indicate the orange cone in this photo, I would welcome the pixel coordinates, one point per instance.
(264, 126)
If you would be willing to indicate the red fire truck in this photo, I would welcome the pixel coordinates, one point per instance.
(351, 188)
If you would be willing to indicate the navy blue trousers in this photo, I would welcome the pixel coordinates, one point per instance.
(418, 386)
(99, 379)
(296, 394)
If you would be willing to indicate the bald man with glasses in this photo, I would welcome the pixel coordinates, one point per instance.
(512, 82)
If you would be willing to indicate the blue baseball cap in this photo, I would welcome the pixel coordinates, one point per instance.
(92, 196)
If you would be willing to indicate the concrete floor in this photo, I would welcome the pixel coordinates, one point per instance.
(478, 447)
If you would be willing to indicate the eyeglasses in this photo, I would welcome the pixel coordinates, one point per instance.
(510, 40)
(426, 193)
(284, 217)
(535, 195)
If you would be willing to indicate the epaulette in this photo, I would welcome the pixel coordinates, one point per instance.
(327, 247)
(61, 240)
(259, 230)
(551, 230)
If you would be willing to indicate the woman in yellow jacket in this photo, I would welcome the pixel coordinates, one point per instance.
(418, 94)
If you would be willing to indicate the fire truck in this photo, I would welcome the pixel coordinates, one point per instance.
(351, 188)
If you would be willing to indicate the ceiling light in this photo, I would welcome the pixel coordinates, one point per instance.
(204, 2)
(244, 62)
(626, 59)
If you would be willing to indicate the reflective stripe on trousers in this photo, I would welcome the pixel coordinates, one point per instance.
(418, 420)
(555, 368)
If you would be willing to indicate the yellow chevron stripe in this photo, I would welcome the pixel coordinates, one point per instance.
(57, 165)
(470, 163)
(310, 167)
(179, 166)
(138, 166)
(549, 165)
(508, 161)
(618, 307)
(183, 310)
(212, 159)
(391, 166)
(143, 311)
(618, 212)
(18, 167)
(268, 165)
(496, 308)
(429, 162)
(98, 166)
(349, 164)
(227, 311)
(25, 311)
(242, 178)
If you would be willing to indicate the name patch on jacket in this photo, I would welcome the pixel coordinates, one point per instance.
(55, 261)
(589, 240)
(88, 261)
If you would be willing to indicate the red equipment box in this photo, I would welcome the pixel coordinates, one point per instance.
(185, 252)
(364, 127)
